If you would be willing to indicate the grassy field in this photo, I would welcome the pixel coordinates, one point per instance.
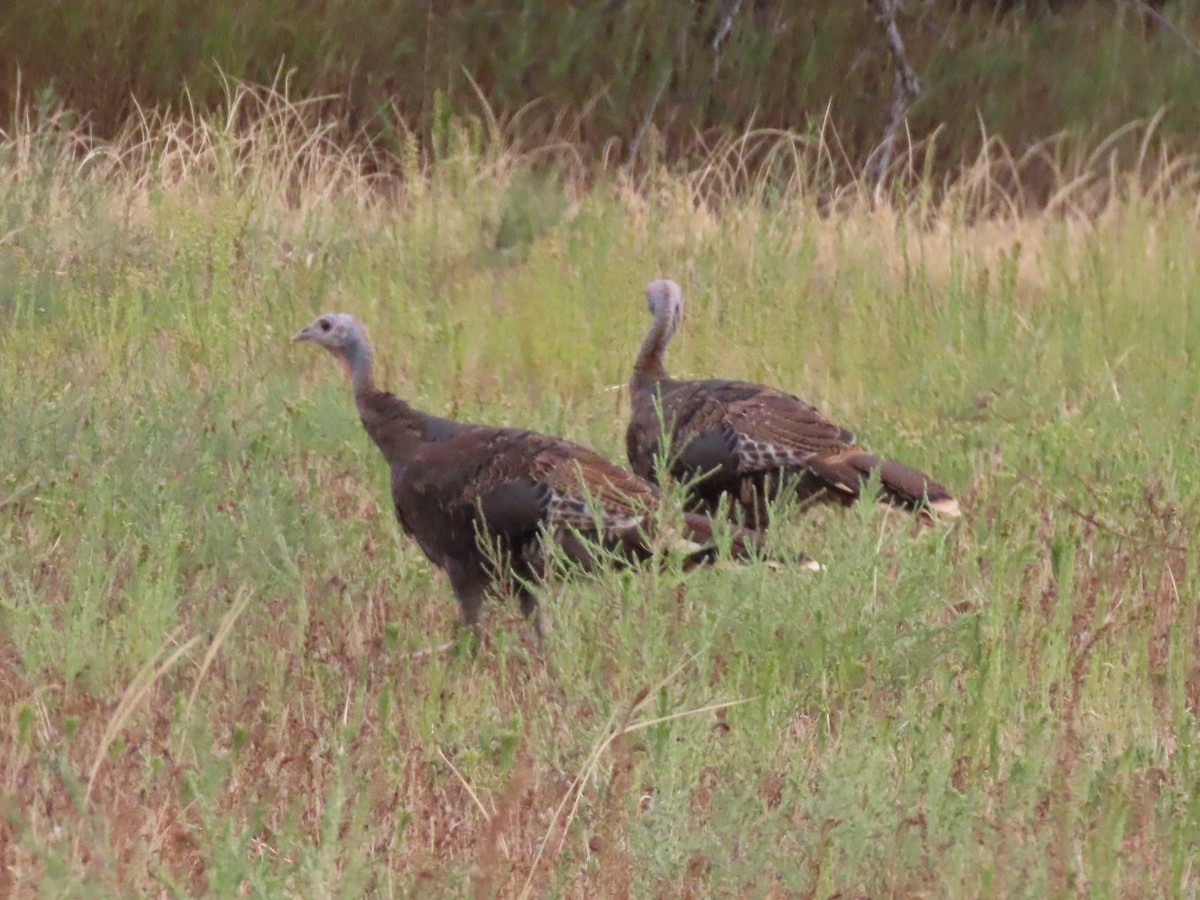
(211, 677)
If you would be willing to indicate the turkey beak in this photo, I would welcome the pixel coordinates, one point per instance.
(302, 335)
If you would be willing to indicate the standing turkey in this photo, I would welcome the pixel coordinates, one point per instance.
(747, 440)
(481, 501)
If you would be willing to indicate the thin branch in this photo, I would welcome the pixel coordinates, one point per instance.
(718, 41)
(20, 493)
(467, 785)
(139, 688)
(1166, 23)
(898, 109)
(681, 43)
(906, 87)
(1092, 518)
(887, 13)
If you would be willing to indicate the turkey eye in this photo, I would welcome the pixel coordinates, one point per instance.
(325, 325)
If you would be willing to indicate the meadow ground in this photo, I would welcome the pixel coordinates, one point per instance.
(211, 678)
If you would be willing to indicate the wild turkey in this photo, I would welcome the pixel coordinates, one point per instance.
(746, 440)
(482, 501)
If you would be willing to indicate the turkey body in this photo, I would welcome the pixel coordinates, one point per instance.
(481, 501)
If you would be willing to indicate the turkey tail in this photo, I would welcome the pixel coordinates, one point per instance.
(846, 471)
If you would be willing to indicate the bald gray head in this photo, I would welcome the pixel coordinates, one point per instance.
(333, 331)
(343, 336)
(664, 299)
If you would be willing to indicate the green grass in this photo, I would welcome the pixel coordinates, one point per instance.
(208, 617)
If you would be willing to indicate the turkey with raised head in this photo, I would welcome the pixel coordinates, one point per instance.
(745, 441)
(483, 501)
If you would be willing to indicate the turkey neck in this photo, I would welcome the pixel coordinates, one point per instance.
(649, 367)
(394, 426)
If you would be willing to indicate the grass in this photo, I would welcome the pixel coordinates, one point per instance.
(210, 626)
